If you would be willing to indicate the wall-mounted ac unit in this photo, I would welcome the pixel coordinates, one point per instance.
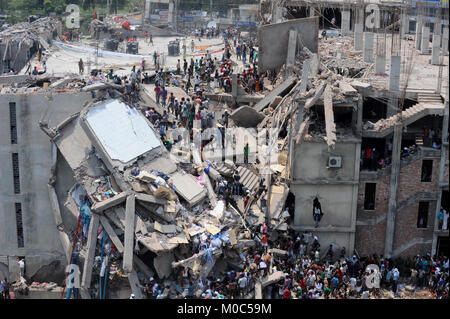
(335, 161)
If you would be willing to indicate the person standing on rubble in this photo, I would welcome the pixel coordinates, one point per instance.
(157, 93)
(81, 66)
(263, 200)
(155, 55)
(185, 66)
(163, 96)
(225, 118)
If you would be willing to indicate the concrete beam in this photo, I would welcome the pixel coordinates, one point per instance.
(91, 244)
(111, 233)
(129, 234)
(312, 101)
(330, 126)
(110, 202)
(150, 199)
(279, 90)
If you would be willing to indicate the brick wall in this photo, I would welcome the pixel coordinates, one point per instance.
(370, 239)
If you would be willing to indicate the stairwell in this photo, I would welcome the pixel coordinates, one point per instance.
(428, 104)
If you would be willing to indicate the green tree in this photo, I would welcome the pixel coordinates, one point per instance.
(57, 6)
(24, 5)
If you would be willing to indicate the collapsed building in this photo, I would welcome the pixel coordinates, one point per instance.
(131, 208)
(20, 42)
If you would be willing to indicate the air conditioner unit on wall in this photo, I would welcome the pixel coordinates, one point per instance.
(335, 161)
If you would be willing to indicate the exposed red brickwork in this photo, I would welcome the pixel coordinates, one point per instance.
(410, 183)
(370, 239)
(406, 229)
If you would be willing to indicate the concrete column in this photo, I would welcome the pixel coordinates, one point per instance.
(445, 41)
(394, 74)
(345, 22)
(351, 247)
(305, 75)
(405, 24)
(419, 32)
(358, 43)
(380, 64)
(368, 47)
(435, 52)
(92, 242)
(292, 45)
(147, 10)
(393, 188)
(425, 45)
(129, 234)
(442, 178)
(312, 12)
(234, 85)
(170, 14)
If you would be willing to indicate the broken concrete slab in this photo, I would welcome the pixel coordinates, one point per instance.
(188, 188)
(157, 243)
(347, 89)
(165, 229)
(140, 226)
(247, 116)
(110, 202)
(273, 278)
(163, 265)
(273, 40)
(146, 177)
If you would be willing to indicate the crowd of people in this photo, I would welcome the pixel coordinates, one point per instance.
(308, 275)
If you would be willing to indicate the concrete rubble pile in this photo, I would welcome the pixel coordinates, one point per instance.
(153, 208)
(20, 41)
